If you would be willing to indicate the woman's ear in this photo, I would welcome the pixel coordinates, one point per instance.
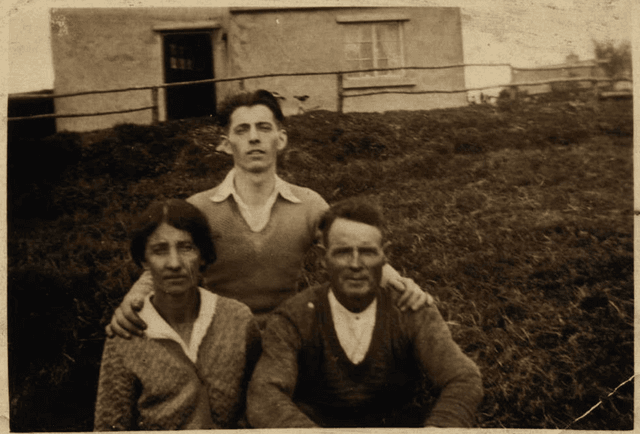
(202, 265)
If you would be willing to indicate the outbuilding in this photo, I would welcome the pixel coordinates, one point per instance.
(304, 51)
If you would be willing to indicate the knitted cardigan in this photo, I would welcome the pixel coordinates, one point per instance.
(150, 384)
(260, 269)
(305, 379)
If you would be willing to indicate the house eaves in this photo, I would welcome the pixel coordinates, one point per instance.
(187, 25)
(241, 9)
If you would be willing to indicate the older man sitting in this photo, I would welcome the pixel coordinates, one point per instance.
(343, 355)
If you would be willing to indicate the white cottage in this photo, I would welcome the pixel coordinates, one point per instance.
(124, 48)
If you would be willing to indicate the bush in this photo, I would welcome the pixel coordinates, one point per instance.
(53, 347)
(35, 168)
(195, 160)
(518, 219)
(132, 152)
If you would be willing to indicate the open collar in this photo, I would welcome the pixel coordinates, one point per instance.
(354, 330)
(227, 188)
(368, 315)
(158, 328)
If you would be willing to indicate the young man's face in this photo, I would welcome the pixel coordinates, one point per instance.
(354, 258)
(254, 139)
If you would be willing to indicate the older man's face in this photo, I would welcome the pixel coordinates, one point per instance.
(354, 259)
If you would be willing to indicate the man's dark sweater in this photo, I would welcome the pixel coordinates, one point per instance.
(305, 379)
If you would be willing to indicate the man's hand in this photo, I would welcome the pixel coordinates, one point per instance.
(125, 320)
(413, 297)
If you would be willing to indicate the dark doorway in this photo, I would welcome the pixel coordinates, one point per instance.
(24, 105)
(189, 57)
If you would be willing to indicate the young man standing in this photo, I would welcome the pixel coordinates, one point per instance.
(263, 226)
(343, 355)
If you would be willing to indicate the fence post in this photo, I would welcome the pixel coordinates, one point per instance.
(154, 102)
(513, 92)
(340, 91)
(596, 91)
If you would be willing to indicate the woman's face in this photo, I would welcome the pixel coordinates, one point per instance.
(173, 260)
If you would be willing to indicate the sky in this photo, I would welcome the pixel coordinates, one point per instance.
(524, 33)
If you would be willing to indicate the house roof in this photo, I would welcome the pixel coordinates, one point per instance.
(239, 9)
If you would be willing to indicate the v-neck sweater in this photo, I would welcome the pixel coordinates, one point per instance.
(305, 379)
(260, 269)
(150, 384)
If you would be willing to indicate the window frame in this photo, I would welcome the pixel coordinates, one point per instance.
(378, 79)
(375, 53)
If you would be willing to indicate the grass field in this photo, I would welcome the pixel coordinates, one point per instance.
(517, 218)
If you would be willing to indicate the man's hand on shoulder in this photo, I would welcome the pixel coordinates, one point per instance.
(413, 297)
(125, 320)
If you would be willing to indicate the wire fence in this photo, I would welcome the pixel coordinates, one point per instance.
(512, 87)
(341, 94)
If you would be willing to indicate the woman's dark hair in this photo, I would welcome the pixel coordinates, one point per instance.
(354, 209)
(181, 215)
(249, 99)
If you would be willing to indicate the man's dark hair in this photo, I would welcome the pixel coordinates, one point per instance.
(181, 215)
(249, 99)
(354, 209)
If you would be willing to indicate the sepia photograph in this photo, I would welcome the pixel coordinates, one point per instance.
(261, 214)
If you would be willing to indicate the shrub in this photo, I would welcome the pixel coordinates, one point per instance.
(35, 168)
(132, 152)
(518, 220)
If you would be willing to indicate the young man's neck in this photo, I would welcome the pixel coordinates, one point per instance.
(255, 188)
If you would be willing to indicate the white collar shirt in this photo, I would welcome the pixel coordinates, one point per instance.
(158, 328)
(256, 218)
(354, 330)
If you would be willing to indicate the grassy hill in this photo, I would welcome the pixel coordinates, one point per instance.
(517, 218)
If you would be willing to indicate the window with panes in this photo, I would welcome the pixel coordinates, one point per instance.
(370, 45)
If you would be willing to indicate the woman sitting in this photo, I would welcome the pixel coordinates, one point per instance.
(191, 369)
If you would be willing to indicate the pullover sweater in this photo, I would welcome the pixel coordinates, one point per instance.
(260, 269)
(150, 384)
(304, 378)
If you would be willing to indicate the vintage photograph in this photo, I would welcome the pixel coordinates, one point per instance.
(263, 215)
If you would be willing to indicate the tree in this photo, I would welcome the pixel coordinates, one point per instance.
(617, 58)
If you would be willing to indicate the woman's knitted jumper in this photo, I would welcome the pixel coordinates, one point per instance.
(148, 384)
